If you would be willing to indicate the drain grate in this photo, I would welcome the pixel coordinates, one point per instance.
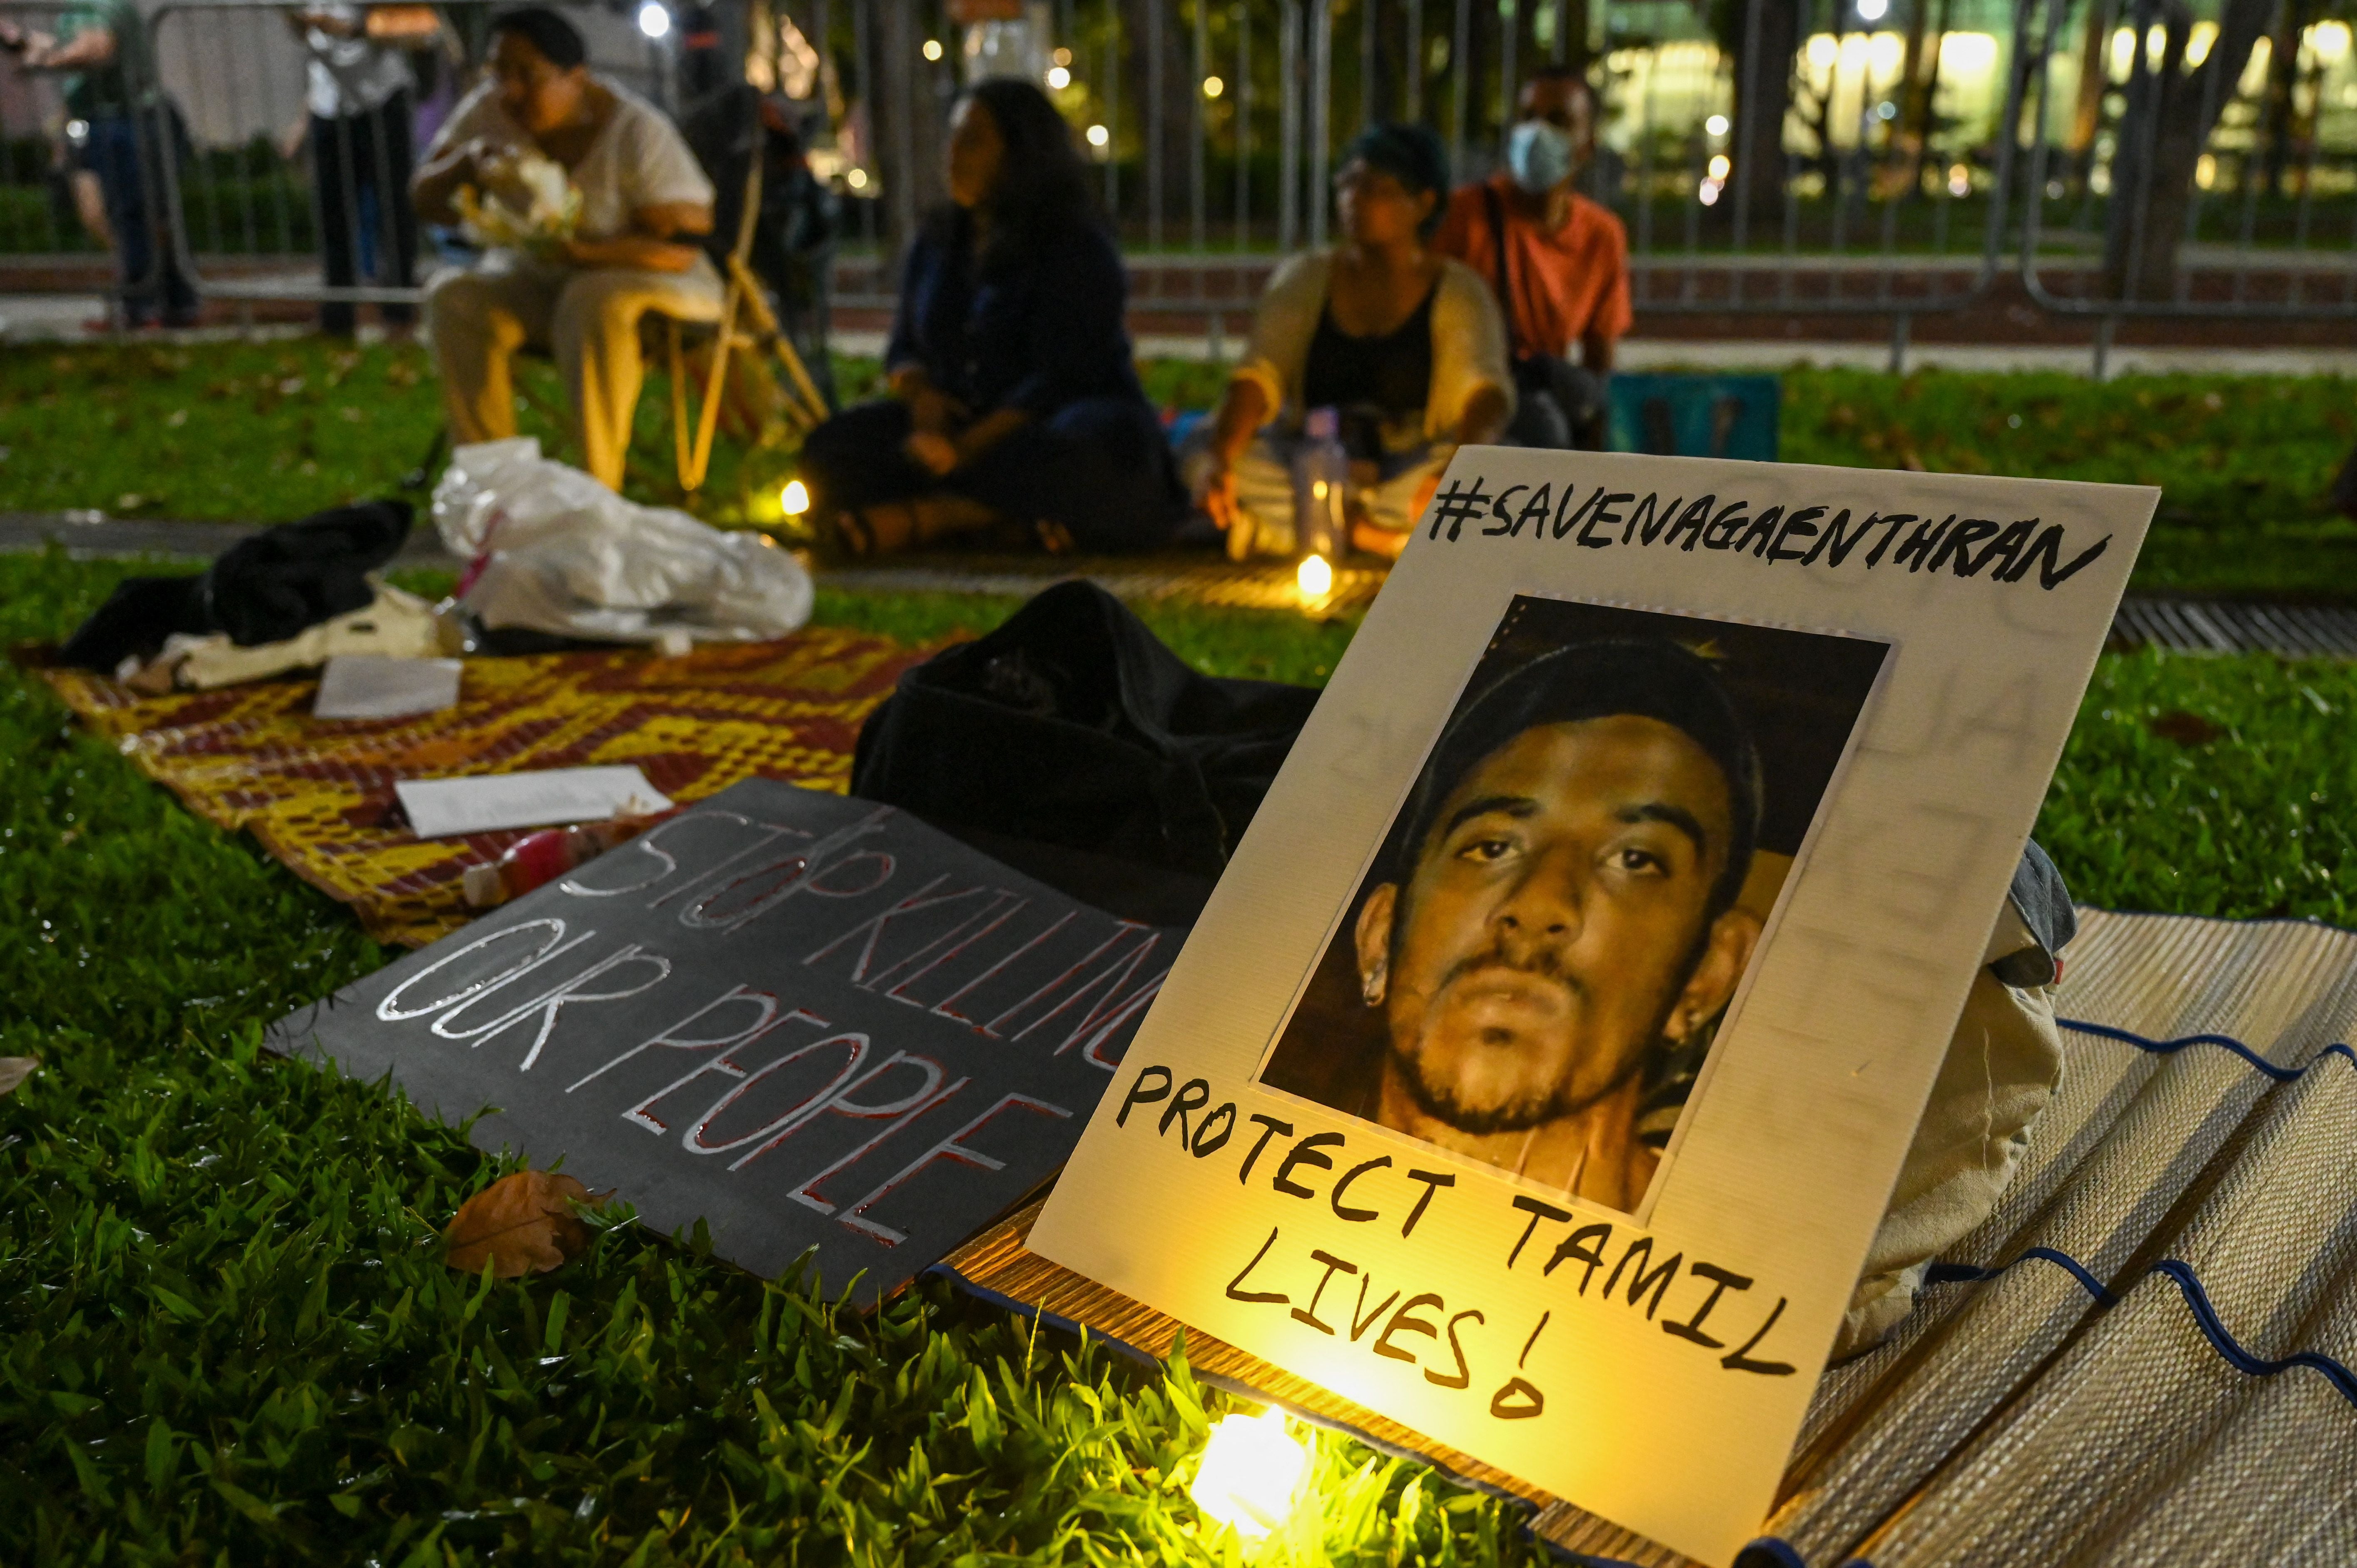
(2197, 626)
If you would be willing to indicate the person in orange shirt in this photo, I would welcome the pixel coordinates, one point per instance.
(1558, 261)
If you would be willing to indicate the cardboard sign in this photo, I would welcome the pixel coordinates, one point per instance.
(806, 1020)
(1543, 1064)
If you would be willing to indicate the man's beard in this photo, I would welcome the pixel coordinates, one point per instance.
(1525, 1112)
(1439, 1102)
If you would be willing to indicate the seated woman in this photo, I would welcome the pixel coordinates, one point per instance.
(640, 191)
(1015, 398)
(1405, 344)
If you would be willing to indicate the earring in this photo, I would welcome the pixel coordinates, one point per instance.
(1370, 987)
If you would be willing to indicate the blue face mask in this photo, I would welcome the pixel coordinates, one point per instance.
(1538, 155)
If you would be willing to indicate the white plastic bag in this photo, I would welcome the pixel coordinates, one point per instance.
(568, 556)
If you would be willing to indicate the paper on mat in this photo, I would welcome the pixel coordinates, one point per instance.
(446, 807)
(372, 686)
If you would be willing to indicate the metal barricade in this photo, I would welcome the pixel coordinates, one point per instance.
(2195, 168)
(1888, 159)
(1842, 173)
(1216, 122)
(81, 150)
(295, 185)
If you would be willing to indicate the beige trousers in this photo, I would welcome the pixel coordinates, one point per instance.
(587, 317)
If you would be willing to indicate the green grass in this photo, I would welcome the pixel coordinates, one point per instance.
(271, 431)
(2243, 462)
(232, 1339)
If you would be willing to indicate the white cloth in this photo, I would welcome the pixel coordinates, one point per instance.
(1469, 344)
(350, 76)
(2003, 1065)
(395, 625)
(639, 159)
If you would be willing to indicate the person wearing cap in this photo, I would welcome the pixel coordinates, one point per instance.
(1558, 261)
(1562, 913)
(1406, 344)
(643, 202)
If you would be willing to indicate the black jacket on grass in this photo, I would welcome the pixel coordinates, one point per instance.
(273, 586)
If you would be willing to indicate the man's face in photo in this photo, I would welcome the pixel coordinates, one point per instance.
(1557, 925)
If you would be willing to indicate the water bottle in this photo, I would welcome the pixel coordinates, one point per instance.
(1320, 470)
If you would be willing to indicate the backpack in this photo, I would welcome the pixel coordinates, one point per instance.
(1072, 725)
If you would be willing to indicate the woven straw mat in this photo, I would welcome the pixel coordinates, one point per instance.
(318, 793)
(2024, 1419)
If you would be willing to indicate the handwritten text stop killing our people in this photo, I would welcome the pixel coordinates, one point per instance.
(1600, 517)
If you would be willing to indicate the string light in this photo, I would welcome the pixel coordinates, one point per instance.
(933, 49)
(1252, 1466)
(1099, 135)
(1059, 77)
(1213, 87)
(795, 499)
(653, 20)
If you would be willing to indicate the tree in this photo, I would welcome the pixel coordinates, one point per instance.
(2095, 74)
(905, 109)
(2172, 110)
(2278, 114)
(1161, 64)
(1763, 36)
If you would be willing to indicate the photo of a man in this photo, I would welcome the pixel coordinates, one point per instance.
(1559, 918)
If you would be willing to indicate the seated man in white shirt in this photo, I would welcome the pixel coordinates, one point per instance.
(643, 200)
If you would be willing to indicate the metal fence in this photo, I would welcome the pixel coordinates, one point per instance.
(2209, 172)
(2109, 159)
(267, 192)
(79, 160)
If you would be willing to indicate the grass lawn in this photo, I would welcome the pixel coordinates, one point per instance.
(232, 1339)
(271, 431)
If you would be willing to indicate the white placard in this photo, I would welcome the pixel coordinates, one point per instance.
(1481, 1095)
(446, 808)
(372, 686)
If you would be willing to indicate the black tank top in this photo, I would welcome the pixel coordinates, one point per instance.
(1391, 372)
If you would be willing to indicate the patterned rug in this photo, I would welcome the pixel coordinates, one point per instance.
(318, 793)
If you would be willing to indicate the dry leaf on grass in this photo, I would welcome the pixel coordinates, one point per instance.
(522, 1224)
(14, 1070)
(2186, 729)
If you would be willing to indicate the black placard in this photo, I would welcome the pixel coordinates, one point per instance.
(807, 1020)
